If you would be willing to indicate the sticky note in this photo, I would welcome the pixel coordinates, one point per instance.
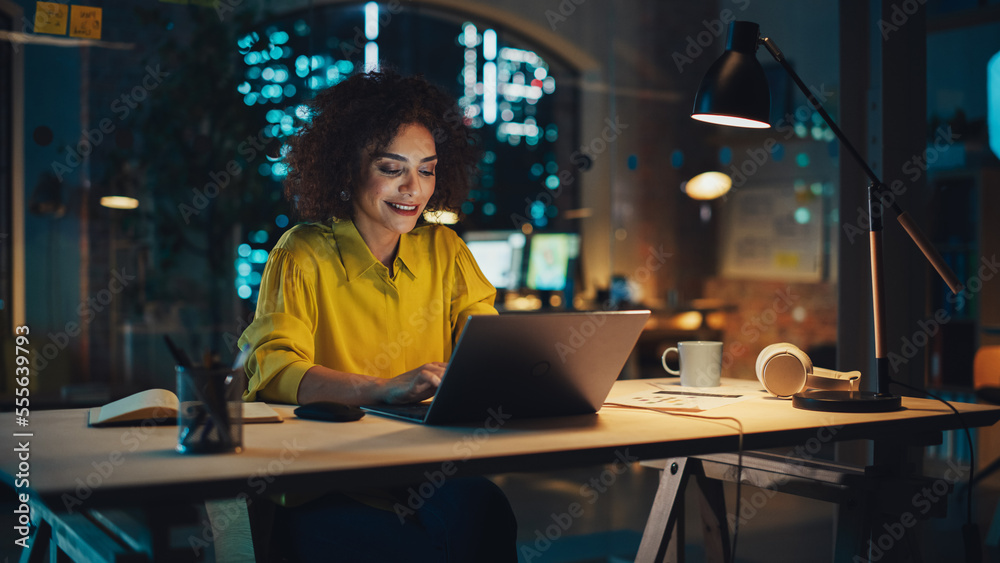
(85, 22)
(786, 259)
(50, 18)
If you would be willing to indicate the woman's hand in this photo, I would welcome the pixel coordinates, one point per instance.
(414, 385)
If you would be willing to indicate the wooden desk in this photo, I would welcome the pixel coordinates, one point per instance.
(75, 467)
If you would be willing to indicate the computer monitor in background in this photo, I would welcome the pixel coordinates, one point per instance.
(551, 261)
(499, 255)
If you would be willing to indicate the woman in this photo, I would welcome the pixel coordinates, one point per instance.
(362, 305)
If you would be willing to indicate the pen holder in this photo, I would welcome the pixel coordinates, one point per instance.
(210, 414)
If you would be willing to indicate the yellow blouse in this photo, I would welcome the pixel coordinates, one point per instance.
(324, 299)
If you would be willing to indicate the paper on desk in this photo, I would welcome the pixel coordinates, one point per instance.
(668, 397)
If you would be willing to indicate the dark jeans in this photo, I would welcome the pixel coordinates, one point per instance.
(464, 520)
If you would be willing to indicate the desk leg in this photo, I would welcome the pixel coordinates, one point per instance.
(714, 528)
(668, 508)
(663, 537)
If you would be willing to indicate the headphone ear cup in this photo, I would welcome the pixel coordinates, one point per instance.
(783, 369)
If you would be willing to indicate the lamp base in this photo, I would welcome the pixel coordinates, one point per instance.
(846, 401)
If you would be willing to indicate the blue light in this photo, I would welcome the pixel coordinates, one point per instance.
(244, 269)
(371, 21)
(280, 75)
(468, 207)
(802, 215)
(260, 237)
(243, 250)
(250, 99)
(371, 56)
(302, 61)
(677, 158)
(470, 38)
(253, 73)
(725, 155)
(315, 62)
(279, 38)
(632, 161)
(302, 112)
(993, 103)
(552, 182)
(281, 221)
(276, 52)
(489, 209)
(258, 256)
(802, 159)
(489, 157)
(537, 169)
(264, 169)
(489, 44)
(279, 169)
(537, 210)
(346, 67)
(252, 58)
(778, 152)
(267, 73)
(274, 115)
(254, 278)
(244, 292)
(489, 92)
(243, 88)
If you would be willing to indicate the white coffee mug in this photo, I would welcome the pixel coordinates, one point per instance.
(700, 363)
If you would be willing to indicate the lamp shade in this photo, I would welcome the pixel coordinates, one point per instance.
(734, 91)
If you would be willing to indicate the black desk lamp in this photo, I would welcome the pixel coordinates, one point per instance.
(734, 92)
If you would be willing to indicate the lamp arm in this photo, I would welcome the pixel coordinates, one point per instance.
(909, 225)
(780, 57)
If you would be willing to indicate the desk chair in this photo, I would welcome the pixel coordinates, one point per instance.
(986, 380)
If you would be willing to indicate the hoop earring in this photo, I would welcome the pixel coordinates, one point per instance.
(345, 195)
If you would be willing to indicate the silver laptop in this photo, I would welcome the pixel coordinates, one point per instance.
(529, 365)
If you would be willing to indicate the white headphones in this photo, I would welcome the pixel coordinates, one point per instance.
(784, 370)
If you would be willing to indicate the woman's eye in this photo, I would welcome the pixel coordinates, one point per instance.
(427, 172)
(390, 171)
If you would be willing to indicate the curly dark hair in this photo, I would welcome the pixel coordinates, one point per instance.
(359, 117)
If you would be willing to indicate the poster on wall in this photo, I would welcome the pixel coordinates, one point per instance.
(773, 233)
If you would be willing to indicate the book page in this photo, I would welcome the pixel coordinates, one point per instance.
(139, 405)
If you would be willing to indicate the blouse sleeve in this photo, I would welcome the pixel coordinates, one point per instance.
(472, 293)
(281, 336)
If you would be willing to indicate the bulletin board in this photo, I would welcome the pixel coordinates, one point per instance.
(772, 233)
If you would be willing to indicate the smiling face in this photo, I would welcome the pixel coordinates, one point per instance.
(397, 186)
